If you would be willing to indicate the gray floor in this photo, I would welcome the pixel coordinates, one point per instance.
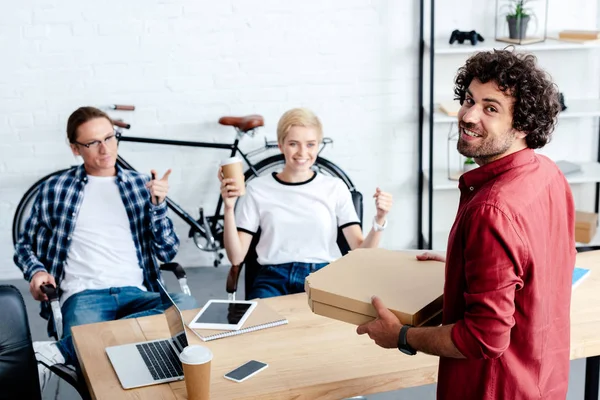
(209, 282)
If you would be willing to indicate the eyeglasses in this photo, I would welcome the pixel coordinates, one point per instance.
(96, 143)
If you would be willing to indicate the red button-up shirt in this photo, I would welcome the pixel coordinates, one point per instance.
(510, 259)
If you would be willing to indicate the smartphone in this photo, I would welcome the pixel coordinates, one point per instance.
(245, 371)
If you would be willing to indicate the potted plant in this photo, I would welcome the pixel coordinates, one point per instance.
(518, 17)
(469, 164)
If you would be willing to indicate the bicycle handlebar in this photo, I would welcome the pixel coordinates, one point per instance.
(121, 124)
(123, 107)
(271, 144)
(176, 268)
(50, 291)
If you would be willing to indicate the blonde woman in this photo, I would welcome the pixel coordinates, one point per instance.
(298, 210)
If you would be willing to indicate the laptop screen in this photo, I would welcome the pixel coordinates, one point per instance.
(174, 319)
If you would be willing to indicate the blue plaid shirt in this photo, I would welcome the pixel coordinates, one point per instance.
(45, 242)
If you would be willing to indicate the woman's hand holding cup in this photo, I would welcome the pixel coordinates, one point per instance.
(229, 191)
(231, 176)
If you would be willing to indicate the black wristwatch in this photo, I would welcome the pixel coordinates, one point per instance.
(403, 345)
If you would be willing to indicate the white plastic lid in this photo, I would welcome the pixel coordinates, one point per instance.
(231, 160)
(195, 354)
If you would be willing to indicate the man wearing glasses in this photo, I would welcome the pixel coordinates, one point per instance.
(95, 231)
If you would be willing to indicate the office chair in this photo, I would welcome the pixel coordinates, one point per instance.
(18, 366)
(56, 322)
(252, 265)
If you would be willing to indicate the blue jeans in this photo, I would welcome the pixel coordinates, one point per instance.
(281, 279)
(111, 304)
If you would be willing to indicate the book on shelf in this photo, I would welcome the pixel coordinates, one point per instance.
(567, 167)
(262, 317)
(579, 35)
(579, 274)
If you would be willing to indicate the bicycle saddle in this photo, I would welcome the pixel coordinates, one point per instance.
(244, 124)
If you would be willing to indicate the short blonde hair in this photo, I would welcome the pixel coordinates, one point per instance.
(298, 117)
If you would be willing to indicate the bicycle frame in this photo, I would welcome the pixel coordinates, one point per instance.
(211, 222)
(233, 147)
(207, 226)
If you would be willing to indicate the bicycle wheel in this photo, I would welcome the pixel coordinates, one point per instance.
(26, 204)
(276, 163)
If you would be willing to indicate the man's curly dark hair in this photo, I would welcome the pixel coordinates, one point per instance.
(536, 97)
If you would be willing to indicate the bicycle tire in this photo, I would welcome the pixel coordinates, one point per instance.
(24, 208)
(274, 163)
(321, 165)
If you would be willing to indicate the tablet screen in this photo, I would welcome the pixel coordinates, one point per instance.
(223, 313)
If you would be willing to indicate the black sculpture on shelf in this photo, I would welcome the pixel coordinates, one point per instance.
(561, 100)
(461, 36)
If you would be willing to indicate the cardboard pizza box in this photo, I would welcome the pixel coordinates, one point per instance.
(411, 289)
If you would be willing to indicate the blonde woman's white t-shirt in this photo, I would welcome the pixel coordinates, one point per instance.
(298, 221)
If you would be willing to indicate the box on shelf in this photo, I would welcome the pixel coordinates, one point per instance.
(411, 289)
(585, 226)
(450, 108)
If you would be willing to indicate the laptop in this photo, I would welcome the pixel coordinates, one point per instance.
(154, 361)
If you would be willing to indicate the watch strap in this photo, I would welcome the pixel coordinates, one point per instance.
(403, 345)
(378, 227)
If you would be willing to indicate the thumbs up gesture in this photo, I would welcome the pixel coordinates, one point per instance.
(159, 187)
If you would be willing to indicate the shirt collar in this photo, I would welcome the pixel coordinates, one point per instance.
(81, 175)
(477, 177)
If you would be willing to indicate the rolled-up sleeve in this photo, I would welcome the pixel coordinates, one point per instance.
(164, 238)
(494, 258)
(25, 257)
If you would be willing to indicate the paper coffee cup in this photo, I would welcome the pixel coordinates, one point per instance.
(233, 169)
(196, 362)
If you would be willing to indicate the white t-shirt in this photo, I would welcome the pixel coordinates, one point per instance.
(298, 221)
(102, 253)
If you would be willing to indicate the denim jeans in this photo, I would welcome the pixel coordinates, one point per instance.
(111, 304)
(281, 279)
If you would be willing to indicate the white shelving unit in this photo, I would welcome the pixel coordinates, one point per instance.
(590, 173)
(444, 47)
(430, 234)
(576, 108)
(440, 239)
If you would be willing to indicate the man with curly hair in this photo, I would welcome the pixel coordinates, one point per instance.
(511, 251)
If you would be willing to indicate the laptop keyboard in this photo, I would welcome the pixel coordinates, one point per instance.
(161, 359)
(182, 340)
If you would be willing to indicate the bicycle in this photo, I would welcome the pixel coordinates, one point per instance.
(206, 231)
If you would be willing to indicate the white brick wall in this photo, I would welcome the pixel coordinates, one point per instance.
(185, 63)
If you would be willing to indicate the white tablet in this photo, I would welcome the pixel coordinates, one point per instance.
(223, 315)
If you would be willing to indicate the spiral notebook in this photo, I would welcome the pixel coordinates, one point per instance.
(262, 317)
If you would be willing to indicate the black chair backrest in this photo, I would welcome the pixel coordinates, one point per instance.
(357, 200)
(18, 366)
(252, 266)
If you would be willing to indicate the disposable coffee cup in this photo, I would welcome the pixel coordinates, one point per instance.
(196, 362)
(233, 169)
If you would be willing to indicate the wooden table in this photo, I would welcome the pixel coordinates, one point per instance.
(311, 357)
